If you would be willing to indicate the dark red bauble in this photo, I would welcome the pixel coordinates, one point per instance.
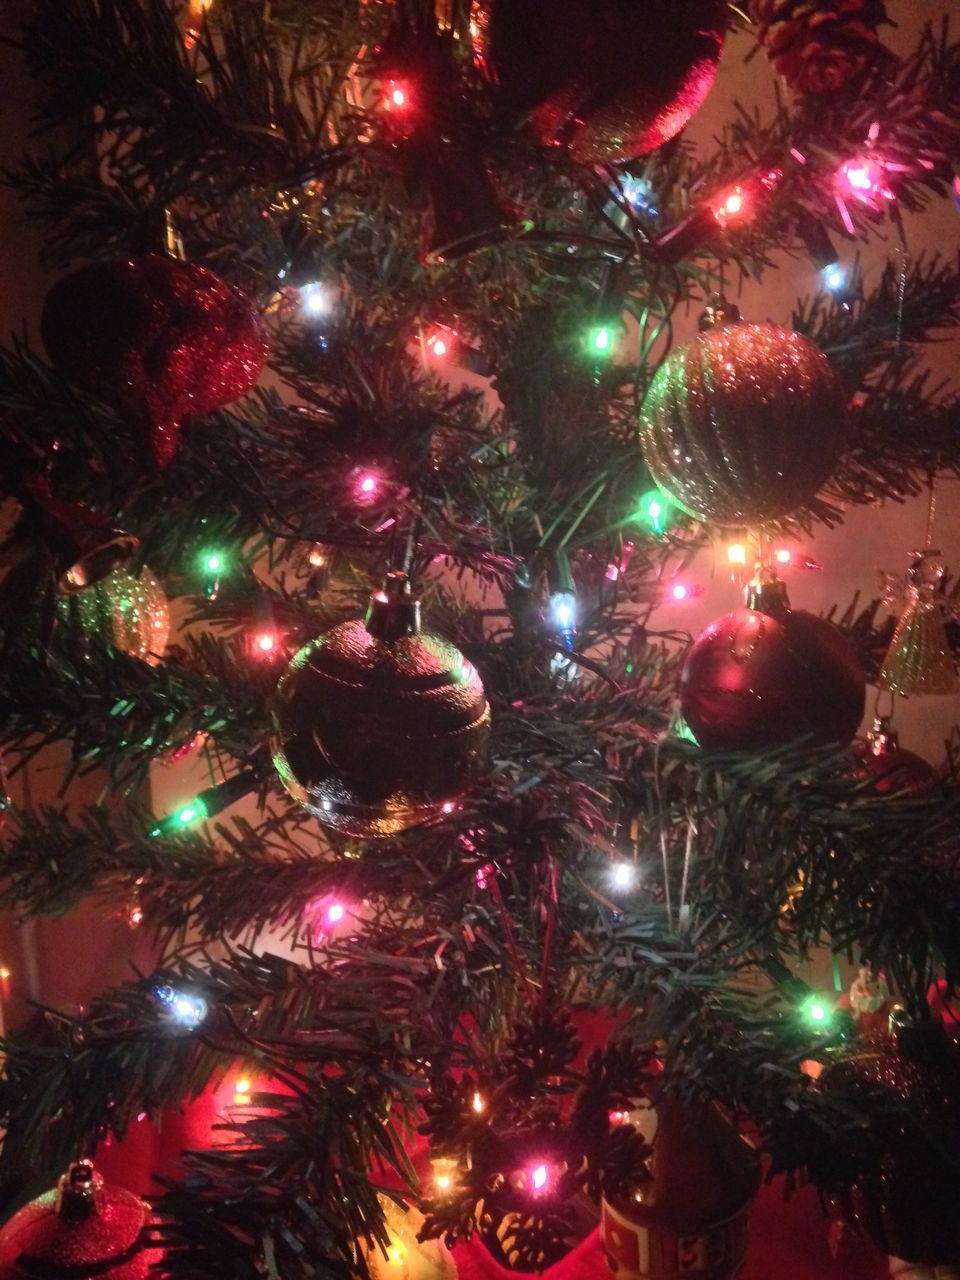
(753, 681)
(377, 725)
(155, 338)
(78, 1230)
(905, 1185)
(892, 767)
(611, 79)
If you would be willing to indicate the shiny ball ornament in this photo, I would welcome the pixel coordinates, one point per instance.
(768, 675)
(122, 613)
(690, 1218)
(608, 79)
(902, 1186)
(892, 768)
(377, 725)
(155, 338)
(744, 424)
(81, 1229)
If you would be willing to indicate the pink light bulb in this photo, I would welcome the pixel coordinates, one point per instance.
(367, 485)
(538, 1177)
(783, 555)
(680, 591)
(335, 912)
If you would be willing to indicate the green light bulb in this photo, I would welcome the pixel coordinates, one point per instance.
(214, 562)
(654, 510)
(601, 340)
(817, 1012)
(190, 813)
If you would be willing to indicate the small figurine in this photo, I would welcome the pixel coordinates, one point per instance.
(869, 1002)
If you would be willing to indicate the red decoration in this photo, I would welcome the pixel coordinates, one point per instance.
(892, 767)
(906, 1186)
(691, 1217)
(156, 338)
(744, 424)
(82, 1229)
(379, 727)
(767, 675)
(608, 78)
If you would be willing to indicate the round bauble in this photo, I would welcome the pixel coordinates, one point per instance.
(123, 613)
(155, 338)
(610, 79)
(904, 1185)
(377, 725)
(744, 424)
(752, 681)
(891, 767)
(81, 1229)
(691, 1216)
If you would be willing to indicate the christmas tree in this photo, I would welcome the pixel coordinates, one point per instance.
(391, 397)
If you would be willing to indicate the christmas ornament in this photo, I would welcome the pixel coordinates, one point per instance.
(79, 1230)
(121, 613)
(690, 1218)
(768, 674)
(85, 545)
(406, 1257)
(919, 659)
(379, 726)
(892, 767)
(601, 77)
(869, 1002)
(744, 424)
(905, 1186)
(155, 338)
(817, 48)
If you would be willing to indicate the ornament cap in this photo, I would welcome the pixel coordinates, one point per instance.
(79, 1192)
(883, 738)
(767, 593)
(393, 611)
(717, 312)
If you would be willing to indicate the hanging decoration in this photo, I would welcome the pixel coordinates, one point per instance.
(891, 766)
(919, 659)
(904, 1184)
(155, 338)
(379, 726)
(82, 1228)
(818, 48)
(767, 675)
(600, 78)
(690, 1218)
(744, 424)
(122, 613)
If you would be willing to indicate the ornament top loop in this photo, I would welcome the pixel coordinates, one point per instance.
(766, 593)
(79, 1192)
(717, 312)
(393, 611)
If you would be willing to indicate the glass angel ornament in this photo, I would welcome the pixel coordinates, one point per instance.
(919, 659)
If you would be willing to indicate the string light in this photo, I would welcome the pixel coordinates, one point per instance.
(241, 1090)
(539, 1177)
(367, 484)
(314, 299)
(624, 875)
(563, 612)
(816, 1012)
(654, 510)
(134, 917)
(732, 206)
(478, 1104)
(736, 553)
(184, 1006)
(834, 277)
(600, 340)
(266, 643)
(335, 913)
(5, 973)
(317, 557)
(783, 555)
(679, 591)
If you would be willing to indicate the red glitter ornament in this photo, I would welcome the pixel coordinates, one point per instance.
(82, 1228)
(610, 79)
(767, 675)
(155, 338)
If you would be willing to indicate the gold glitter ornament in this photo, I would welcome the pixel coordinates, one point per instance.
(744, 424)
(919, 659)
(123, 612)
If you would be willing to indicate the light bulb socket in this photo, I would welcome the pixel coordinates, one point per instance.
(766, 593)
(393, 611)
(79, 1192)
(717, 313)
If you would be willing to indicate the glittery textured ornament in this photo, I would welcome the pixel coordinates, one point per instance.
(155, 338)
(744, 424)
(892, 767)
(768, 675)
(406, 1257)
(818, 46)
(83, 1229)
(691, 1217)
(905, 1185)
(377, 725)
(123, 613)
(609, 79)
(919, 659)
